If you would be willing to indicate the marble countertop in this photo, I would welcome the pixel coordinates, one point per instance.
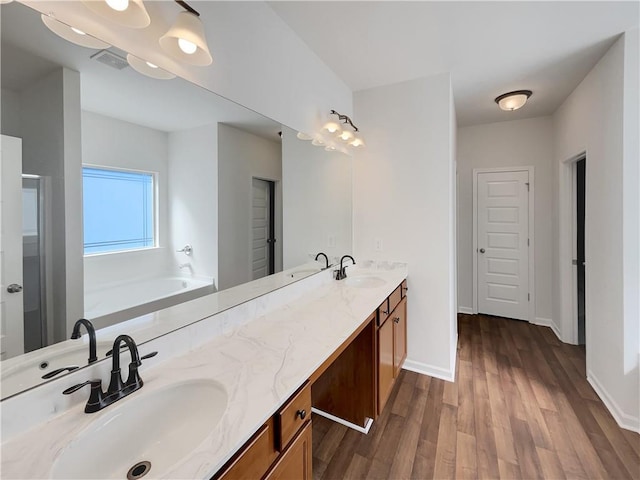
(260, 363)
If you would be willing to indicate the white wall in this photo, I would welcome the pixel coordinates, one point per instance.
(241, 157)
(258, 61)
(517, 143)
(591, 120)
(404, 195)
(50, 129)
(10, 118)
(317, 201)
(109, 142)
(193, 199)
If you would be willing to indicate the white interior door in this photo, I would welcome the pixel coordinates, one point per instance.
(502, 241)
(11, 296)
(260, 229)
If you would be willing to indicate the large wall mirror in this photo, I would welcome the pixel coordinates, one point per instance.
(129, 195)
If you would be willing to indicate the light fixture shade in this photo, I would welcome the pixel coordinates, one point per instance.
(304, 136)
(148, 68)
(332, 127)
(189, 28)
(346, 136)
(128, 13)
(513, 100)
(357, 142)
(71, 34)
(318, 141)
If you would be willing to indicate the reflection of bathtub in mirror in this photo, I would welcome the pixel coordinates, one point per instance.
(110, 304)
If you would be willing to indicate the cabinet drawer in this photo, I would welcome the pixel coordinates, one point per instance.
(255, 458)
(293, 415)
(383, 312)
(395, 297)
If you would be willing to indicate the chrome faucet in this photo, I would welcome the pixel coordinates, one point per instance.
(341, 274)
(326, 259)
(75, 334)
(117, 389)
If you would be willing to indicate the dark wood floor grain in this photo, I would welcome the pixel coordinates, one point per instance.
(520, 408)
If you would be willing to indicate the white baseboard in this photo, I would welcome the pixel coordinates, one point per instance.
(465, 310)
(344, 422)
(547, 322)
(430, 370)
(628, 422)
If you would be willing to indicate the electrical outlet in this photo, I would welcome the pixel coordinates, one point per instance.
(331, 243)
(378, 243)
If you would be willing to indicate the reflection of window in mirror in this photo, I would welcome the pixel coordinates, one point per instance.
(118, 210)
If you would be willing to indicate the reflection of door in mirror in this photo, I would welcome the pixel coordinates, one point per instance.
(34, 245)
(11, 247)
(263, 207)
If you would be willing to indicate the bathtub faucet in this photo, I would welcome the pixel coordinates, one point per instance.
(93, 357)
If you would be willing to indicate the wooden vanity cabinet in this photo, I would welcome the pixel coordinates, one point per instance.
(391, 341)
(280, 449)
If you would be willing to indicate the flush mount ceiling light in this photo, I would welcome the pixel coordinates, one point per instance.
(72, 34)
(149, 69)
(128, 13)
(185, 40)
(513, 100)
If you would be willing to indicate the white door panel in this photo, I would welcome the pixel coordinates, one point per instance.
(503, 260)
(11, 304)
(260, 229)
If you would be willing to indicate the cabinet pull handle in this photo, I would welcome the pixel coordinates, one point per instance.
(301, 413)
(385, 312)
(405, 289)
(396, 320)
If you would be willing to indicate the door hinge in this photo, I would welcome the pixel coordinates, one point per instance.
(528, 244)
(527, 184)
(528, 297)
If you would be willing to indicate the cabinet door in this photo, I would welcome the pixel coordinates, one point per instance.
(385, 363)
(399, 317)
(295, 462)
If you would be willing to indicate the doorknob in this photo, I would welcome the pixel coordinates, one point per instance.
(14, 288)
(482, 250)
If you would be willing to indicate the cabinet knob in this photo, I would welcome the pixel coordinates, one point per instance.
(406, 289)
(396, 320)
(302, 414)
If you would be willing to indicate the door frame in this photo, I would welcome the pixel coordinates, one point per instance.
(568, 234)
(532, 290)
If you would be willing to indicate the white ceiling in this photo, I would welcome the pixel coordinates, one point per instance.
(489, 47)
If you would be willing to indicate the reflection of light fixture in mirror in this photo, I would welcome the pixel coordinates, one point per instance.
(185, 40)
(72, 34)
(330, 148)
(5, 1)
(346, 136)
(513, 100)
(318, 141)
(149, 69)
(304, 136)
(128, 13)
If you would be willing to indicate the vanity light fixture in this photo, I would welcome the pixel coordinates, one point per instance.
(128, 13)
(185, 40)
(513, 100)
(72, 34)
(353, 138)
(149, 69)
(318, 141)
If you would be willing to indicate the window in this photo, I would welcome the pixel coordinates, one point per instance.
(118, 210)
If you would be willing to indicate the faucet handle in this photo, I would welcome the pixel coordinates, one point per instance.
(77, 387)
(148, 355)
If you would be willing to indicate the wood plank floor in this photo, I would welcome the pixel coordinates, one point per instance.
(520, 408)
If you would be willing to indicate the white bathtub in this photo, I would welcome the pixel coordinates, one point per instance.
(108, 305)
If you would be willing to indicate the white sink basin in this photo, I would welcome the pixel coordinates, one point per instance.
(26, 371)
(161, 428)
(365, 282)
